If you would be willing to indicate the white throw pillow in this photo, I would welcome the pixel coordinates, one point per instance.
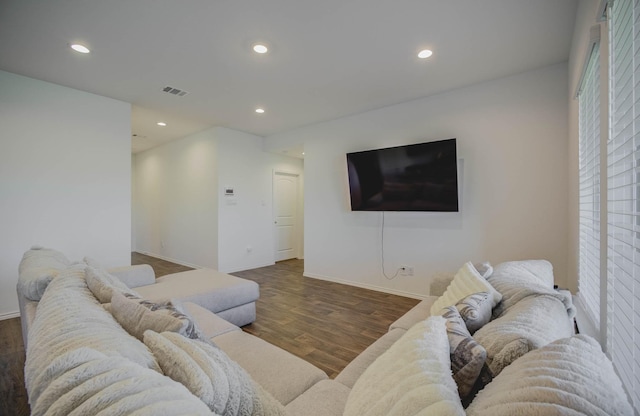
(412, 377)
(466, 282)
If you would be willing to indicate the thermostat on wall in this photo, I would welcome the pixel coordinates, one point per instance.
(228, 191)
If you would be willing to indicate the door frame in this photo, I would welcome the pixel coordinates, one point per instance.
(298, 226)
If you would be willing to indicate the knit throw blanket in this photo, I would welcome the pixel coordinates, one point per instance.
(571, 376)
(531, 315)
(517, 280)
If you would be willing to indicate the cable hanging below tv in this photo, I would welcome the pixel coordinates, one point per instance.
(415, 177)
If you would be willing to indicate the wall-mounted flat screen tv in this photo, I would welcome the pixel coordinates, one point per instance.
(416, 177)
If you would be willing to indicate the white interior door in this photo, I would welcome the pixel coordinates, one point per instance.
(285, 200)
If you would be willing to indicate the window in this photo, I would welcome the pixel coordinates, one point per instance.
(589, 163)
(623, 182)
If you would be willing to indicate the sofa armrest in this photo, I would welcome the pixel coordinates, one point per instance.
(27, 315)
(418, 313)
(134, 276)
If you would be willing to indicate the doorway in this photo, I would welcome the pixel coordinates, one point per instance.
(286, 216)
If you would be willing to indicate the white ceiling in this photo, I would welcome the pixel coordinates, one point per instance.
(327, 59)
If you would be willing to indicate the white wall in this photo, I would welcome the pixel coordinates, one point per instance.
(512, 142)
(180, 200)
(176, 200)
(65, 181)
(246, 227)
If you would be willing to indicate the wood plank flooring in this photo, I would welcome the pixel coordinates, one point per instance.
(13, 396)
(325, 323)
(160, 267)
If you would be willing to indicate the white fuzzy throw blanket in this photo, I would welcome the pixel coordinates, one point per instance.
(517, 280)
(86, 382)
(69, 317)
(571, 376)
(531, 315)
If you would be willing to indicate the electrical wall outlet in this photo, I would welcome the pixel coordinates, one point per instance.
(406, 270)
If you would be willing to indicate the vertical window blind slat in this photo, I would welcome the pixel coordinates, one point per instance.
(623, 217)
(589, 174)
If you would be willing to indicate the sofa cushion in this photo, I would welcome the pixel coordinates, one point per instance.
(466, 282)
(326, 398)
(475, 310)
(84, 381)
(211, 375)
(36, 270)
(68, 317)
(571, 376)
(138, 315)
(468, 358)
(412, 377)
(280, 373)
(103, 285)
(209, 324)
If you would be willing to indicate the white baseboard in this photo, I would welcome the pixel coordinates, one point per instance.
(366, 286)
(158, 256)
(195, 266)
(9, 315)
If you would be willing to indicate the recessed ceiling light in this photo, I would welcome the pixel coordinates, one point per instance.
(425, 53)
(80, 48)
(162, 124)
(260, 48)
(259, 110)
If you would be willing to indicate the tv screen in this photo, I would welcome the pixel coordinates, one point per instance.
(416, 177)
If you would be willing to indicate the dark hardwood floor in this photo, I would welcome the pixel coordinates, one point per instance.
(160, 267)
(13, 396)
(325, 323)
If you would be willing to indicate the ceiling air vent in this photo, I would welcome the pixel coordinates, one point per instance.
(175, 91)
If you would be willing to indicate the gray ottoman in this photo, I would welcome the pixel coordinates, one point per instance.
(229, 297)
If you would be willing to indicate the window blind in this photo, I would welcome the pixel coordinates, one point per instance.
(623, 182)
(589, 176)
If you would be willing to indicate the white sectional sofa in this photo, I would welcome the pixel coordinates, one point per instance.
(81, 357)
(230, 297)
